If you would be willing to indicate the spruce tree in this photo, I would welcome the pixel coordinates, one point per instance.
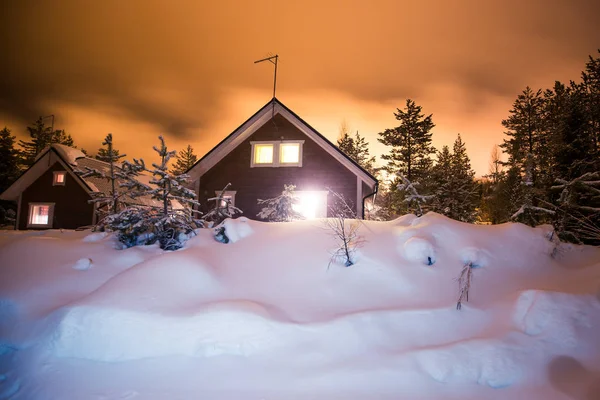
(410, 143)
(280, 208)
(185, 160)
(112, 175)
(410, 152)
(527, 146)
(357, 148)
(9, 159)
(107, 154)
(454, 184)
(465, 187)
(42, 136)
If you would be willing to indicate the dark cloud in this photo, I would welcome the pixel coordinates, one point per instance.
(169, 63)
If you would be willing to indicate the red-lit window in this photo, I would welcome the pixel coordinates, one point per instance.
(59, 178)
(40, 215)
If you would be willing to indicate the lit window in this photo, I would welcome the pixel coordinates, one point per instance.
(263, 154)
(290, 153)
(287, 153)
(40, 215)
(59, 178)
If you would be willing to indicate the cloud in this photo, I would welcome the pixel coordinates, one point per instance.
(175, 65)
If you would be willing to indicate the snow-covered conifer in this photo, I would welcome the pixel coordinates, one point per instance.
(222, 208)
(112, 199)
(280, 208)
(412, 196)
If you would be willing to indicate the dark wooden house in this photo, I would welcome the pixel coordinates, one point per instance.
(273, 148)
(51, 195)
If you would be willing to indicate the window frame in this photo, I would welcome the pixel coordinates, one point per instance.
(277, 149)
(30, 224)
(55, 182)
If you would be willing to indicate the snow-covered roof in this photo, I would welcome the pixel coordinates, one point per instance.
(73, 160)
(68, 154)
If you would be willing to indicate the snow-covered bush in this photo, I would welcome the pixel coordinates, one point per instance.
(170, 223)
(280, 208)
(412, 196)
(222, 209)
(232, 230)
(133, 226)
(344, 227)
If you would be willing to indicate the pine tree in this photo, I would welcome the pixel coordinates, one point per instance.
(465, 191)
(441, 176)
(9, 159)
(410, 143)
(357, 148)
(455, 187)
(112, 199)
(280, 208)
(107, 155)
(412, 197)
(42, 136)
(527, 149)
(172, 226)
(185, 160)
(410, 152)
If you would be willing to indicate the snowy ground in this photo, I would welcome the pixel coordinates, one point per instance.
(265, 318)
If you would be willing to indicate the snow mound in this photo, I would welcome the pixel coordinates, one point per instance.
(557, 318)
(83, 264)
(236, 229)
(474, 256)
(486, 362)
(110, 335)
(95, 237)
(419, 250)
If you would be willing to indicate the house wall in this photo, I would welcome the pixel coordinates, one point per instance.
(319, 171)
(71, 209)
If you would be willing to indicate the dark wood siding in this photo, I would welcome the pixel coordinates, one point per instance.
(319, 171)
(71, 209)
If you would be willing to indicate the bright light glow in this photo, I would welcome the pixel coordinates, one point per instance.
(39, 215)
(263, 154)
(290, 153)
(311, 204)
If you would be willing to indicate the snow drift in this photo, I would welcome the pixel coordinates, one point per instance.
(265, 317)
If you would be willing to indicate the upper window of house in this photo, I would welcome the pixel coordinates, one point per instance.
(59, 178)
(40, 215)
(289, 153)
(263, 153)
(281, 153)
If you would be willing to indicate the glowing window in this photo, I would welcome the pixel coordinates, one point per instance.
(40, 215)
(59, 178)
(263, 154)
(311, 204)
(277, 153)
(289, 153)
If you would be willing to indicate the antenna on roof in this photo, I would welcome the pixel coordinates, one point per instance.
(270, 59)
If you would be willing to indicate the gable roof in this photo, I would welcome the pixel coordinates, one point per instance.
(260, 118)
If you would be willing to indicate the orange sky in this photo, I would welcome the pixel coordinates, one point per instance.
(185, 69)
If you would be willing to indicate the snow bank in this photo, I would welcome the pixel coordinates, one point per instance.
(104, 334)
(270, 315)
